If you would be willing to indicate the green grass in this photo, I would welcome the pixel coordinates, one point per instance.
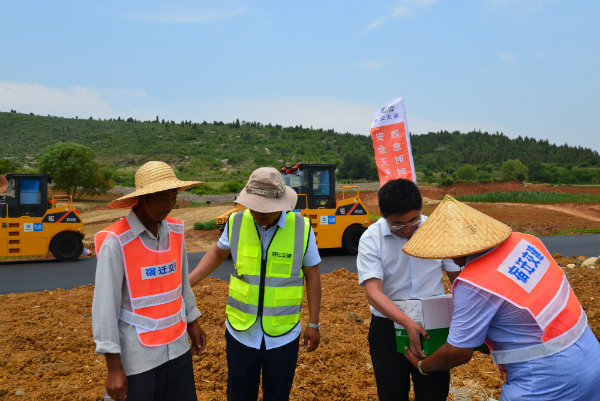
(579, 231)
(195, 204)
(207, 225)
(531, 197)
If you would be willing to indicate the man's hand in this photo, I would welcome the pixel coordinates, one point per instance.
(415, 331)
(116, 379)
(412, 358)
(197, 337)
(312, 337)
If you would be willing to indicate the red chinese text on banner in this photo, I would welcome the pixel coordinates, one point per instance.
(391, 143)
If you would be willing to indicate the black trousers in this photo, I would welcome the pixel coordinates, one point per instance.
(393, 371)
(171, 381)
(244, 365)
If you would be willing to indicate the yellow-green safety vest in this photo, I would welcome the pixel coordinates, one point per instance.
(271, 288)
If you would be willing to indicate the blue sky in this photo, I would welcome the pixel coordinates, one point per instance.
(521, 67)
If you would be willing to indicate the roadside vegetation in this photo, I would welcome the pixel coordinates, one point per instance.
(578, 231)
(207, 225)
(531, 197)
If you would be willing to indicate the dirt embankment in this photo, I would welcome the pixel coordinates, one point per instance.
(47, 350)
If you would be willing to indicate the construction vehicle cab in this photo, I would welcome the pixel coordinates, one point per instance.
(33, 225)
(338, 218)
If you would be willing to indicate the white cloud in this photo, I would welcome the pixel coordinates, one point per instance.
(125, 93)
(43, 100)
(325, 113)
(189, 16)
(507, 57)
(404, 9)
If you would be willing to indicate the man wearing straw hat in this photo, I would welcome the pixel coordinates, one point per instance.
(513, 295)
(274, 252)
(143, 304)
(388, 274)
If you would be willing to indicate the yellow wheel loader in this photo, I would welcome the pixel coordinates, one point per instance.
(337, 221)
(33, 225)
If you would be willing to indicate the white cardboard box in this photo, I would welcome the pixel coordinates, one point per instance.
(429, 312)
(433, 313)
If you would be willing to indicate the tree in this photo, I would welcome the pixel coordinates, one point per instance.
(74, 169)
(514, 170)
(357, 165)
(466, 172)
(7, 166)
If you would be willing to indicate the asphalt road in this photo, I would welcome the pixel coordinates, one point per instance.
(48, 275)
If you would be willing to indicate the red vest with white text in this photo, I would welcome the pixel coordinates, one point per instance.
(522, 272)
(154, 281)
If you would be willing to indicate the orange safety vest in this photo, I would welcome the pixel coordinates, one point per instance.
(154, 282)
(522, 271)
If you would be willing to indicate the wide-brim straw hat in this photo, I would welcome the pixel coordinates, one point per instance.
(455, 229)
(266, 192)
(152, 177)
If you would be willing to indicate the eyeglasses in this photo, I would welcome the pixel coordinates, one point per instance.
(403, 226)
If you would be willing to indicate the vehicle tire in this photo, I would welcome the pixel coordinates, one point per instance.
(351, 238)
(66, 246)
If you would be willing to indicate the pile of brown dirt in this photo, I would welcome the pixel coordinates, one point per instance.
(47, 351)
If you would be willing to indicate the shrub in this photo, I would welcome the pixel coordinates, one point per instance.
(466, 172)
(446, 181)
(231, 186)
(514, 170)
(207, 225)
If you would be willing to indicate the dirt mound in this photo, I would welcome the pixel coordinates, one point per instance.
(47, 350)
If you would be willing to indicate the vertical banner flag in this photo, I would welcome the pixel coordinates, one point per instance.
(391, 143)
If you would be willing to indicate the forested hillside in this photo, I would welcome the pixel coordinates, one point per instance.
(220, 151)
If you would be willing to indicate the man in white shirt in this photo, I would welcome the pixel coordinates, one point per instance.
(389, 274)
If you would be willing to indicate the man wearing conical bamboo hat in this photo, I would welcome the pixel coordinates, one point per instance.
(514, 296)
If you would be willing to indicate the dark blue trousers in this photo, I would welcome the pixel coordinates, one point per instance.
(244, 365)
(171, 381)
(393, 371)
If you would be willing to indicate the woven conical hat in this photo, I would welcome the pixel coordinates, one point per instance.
(152, 177)
(453, 230)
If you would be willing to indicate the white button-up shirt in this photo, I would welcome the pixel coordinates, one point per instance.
(380, 256)
(253, 337)
(113, 336)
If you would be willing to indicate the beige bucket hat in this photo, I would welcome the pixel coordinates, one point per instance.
(152, 177)
(454, 230)
(266, 192)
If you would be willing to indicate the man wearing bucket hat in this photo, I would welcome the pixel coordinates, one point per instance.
(274, 252)
(513, 295)
(143, 303)
(389, 274)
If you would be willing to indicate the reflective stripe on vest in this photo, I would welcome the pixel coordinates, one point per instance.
(522, 271)
(283, 278)
(154, 283)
